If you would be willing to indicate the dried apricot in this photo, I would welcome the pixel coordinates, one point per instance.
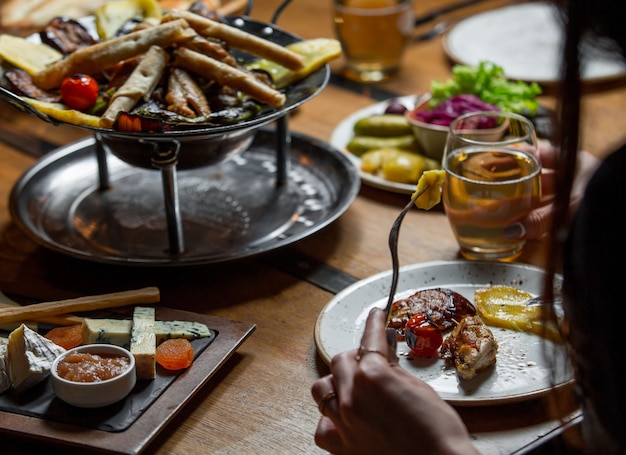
(67, 337)
(175, 354)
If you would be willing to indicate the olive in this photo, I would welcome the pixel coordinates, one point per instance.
(395, 107)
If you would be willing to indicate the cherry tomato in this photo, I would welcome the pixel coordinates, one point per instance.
(422, 336)
(79, 91)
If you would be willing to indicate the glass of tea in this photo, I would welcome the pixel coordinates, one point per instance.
(493, 180)
(374, 35)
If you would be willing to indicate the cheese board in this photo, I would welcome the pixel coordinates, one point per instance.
(127, 427)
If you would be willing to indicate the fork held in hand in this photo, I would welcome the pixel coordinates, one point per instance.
(393, 248)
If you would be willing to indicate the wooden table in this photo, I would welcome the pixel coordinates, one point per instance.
(259, 402)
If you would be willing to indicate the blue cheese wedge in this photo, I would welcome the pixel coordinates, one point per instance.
(190, 330)
(107, 331)
(5, 380)
(30, 357)
(143, 342)
(117, 331)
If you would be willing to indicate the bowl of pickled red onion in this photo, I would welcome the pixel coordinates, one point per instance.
(431, 124)
(95, 375)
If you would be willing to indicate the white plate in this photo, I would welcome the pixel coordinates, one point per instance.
(521, 371)
(344, 132)
(525, 40)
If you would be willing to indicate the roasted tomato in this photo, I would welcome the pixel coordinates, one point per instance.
(79, 91)
(422, 336)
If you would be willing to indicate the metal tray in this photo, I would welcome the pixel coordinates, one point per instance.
(228, 211)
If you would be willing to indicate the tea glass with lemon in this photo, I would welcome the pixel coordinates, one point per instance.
(492, 181)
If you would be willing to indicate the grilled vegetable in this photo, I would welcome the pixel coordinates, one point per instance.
(79, 91)
(422, 336)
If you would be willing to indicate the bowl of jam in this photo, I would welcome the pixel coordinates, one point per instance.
(94, 375)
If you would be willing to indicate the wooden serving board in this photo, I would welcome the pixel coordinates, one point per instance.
(144, 428)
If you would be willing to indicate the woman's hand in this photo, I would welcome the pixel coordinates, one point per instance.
(371, 405)
(536, 224)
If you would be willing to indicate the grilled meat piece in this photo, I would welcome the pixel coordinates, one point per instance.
(443, 307)
(184, 96)
(471, 347)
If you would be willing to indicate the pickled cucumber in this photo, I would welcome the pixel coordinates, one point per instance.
(383, 125)
(396, 165)
(359, 145)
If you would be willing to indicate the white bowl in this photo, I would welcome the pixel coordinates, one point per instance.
(95, 394)
(432, 138)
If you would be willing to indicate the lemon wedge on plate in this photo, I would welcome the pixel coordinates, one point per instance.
(507, 307)
(316, 52)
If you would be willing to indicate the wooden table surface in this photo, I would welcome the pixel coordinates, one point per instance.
(259, 401)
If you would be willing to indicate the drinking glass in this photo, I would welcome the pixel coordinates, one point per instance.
(373, 35)
(492, 181)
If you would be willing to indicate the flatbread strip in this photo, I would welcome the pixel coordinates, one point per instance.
(239, 39)
(225, 74)
(64, 319)
(106, 54)
(89, 303)
(140, 83)
(23, 17)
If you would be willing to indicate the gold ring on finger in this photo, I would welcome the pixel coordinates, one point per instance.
(363, 351)
(325, 400)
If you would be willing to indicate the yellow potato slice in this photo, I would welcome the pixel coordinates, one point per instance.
(317, 52)
(28, 56)
(434, 179)
(396, 165)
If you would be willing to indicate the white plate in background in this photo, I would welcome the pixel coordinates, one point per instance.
(525, 40)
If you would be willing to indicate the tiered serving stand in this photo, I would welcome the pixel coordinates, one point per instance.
(202, 195)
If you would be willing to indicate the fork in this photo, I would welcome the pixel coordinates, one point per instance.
(393, 248)
(438, 29)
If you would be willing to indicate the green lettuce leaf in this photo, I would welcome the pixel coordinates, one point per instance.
(487, 81)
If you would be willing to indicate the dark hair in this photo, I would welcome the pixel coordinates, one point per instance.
(588, 248)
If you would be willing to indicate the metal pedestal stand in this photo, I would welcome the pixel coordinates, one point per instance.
(165, 159)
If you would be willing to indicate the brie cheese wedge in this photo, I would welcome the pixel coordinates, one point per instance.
(30, 357)
(5, 380)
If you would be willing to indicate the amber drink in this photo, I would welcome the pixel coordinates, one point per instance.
(490, 185)
(373, 35)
